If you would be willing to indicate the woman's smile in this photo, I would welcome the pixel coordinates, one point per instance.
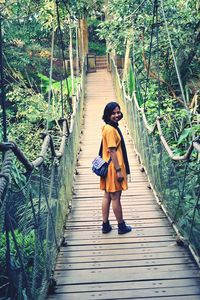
(116, 115)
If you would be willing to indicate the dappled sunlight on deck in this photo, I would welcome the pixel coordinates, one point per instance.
(143, 264)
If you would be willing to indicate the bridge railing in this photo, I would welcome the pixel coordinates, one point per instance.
(174, 179)
(34, 205)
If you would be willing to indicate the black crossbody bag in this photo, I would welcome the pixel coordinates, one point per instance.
(99, 165)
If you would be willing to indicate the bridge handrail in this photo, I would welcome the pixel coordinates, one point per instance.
(47, 141)
(174, 179)
(195, 144)
(38, 203)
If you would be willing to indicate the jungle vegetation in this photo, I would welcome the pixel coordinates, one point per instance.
(27, 33)
(137, 35)
(138, 30)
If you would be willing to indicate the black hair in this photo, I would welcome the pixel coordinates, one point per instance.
(108, 111)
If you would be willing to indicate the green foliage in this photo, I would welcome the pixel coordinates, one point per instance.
(179, 128)
(28, 111)
(27, 50)
(26, 244)
(130, 81)
(185, 134)
(84, 8)
(116, 29)
(180, 125)
(45, 84)
(98, 48)
(126, 21)
(27, 34)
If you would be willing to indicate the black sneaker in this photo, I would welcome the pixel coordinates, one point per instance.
(106, 227)
(123, 228)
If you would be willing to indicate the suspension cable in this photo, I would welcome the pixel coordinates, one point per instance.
(61, 90)
(173, 55)
(77, 52)
(3, 96)
(196, 207)
(50, 79)
(63, 54)
(150, 51)
(138, 7)
(157, 60)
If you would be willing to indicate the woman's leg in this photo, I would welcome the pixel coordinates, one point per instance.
(106, 206)
(116, 206)
(117, 209)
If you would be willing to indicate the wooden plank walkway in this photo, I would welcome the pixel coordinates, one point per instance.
(143, 264)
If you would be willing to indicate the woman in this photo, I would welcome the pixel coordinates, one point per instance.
(113, 147)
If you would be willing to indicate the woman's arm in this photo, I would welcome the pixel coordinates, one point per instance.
(113, 155)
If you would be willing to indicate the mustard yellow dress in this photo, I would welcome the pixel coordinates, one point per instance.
(111, 138)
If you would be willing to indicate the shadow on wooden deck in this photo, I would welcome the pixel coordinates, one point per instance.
(143, 264)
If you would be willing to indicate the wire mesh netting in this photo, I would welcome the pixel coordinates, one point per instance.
(33, 212)
(175, 182)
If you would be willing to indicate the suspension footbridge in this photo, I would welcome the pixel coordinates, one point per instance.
(146, 263)
(51, 244)
(157, 260)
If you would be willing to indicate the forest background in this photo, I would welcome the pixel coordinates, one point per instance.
(27, 33)
(135, 33)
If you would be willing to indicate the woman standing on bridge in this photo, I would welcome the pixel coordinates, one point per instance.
(113, 147)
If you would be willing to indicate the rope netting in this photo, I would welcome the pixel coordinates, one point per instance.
(32, 217)
(172, 168)
(174, 179)
(35, 196)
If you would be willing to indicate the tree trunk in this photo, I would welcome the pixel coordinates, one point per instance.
(71, 57)
(77, 53)
(127, 60)
(84, 37)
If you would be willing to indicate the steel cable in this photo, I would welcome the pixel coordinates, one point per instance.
(63, 54)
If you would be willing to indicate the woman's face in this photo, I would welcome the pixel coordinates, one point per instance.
(116, 115)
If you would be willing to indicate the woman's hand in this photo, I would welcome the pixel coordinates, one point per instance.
(120, 177)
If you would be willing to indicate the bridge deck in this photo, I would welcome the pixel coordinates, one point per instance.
(143, 264)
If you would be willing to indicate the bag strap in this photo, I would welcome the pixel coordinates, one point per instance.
(109, 161)
(101, 150)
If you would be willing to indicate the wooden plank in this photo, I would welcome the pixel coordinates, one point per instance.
(87, 204)
(139, 185)
(143, 246)
(144, 264)
(95, 224)
(131, 285)
(131, 191)
(111, 248)
(137, 208)
(134, 216)
(94, 194)
(83, 257)
(88, 235)
(110, 262)
(137, 231)
(95, 215)
(134, 198)
(136, 294)
(126, 262)
(126, 274)
(95, 182)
